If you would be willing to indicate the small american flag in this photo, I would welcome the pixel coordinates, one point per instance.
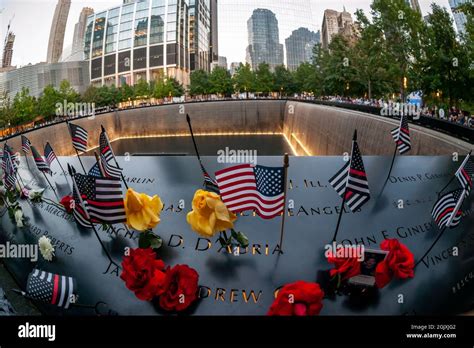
(401, 135)
(49, 154)
(8, 170)
(25, 144)
(40, 162)
(351, 181)
(465, 173)
(51, 288)
(102, 198)
(447, 210)
(106, 154)
(79, 137)
(96, 171)
(209, 183)
(13, 157)
(258, 188)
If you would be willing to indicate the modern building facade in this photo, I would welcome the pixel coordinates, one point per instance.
(147, 39)
(37, 77)
(80, 29)
(233, 67)
(414, 4)
(299, 47)
(58, 29)
(264, 40)
(460, 18)
(335, 23)
(200, 28)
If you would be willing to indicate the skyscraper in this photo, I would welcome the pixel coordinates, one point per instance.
(214, 51)
(80, 28)
(200, 27)
(58, 28)
(414, 4)
(459, 16)
(337, 23)
(264, 39)
(299, 47)
(8, 50)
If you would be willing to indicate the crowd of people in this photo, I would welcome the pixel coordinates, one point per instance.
(454, 115)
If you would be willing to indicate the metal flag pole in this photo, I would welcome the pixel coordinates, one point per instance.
(341, 211)
(453, 215)
(188, 119)
(77, 152)
(71, 173)
(113, 155)
(286, 164)
(54, 190)
(454, 176)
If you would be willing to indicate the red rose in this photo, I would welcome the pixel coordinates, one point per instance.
(143, 273)
(298, 299)
(181, 288)
(347, 267)
(66, 203)
(399, 263)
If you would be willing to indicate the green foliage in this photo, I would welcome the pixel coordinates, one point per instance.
(24, 107)
(47, 102)
(264, 79)
(284, 81)
(199, 83)
(220, 82)
(244, 79)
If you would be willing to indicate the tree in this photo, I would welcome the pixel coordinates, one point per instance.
(24, 107)
(199, 83)
(89, 95)
(370, 62)
(6, 110)
(126, 92)
(337, 68)
(264, 79)
(173, 88)
(402, 27)
(67, 92)
(47, 102)
(244, 79)
(444, 65)
(220, 82)
(283, 80)
(141, 89)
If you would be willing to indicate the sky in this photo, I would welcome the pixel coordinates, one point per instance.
(32, 19)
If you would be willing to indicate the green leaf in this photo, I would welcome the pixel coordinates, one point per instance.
(240, 238)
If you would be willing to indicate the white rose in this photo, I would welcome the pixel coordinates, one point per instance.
(19, 217)
(46, 249)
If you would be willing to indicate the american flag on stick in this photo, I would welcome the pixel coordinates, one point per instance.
(25, 144)
(244, 187)
(447, 210)
(401, 136)
(465, 173)
(351, 181)
(98, 200)
(49, 154)
(40, 162)
(8, 170)
(106, 155)
(51, 288)
(79, 137)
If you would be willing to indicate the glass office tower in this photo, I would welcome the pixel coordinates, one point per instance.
(145, 39)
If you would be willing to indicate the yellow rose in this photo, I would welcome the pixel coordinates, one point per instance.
(143, 211)
(209, 215)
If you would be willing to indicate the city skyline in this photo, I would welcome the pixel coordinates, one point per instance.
(31, 47)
